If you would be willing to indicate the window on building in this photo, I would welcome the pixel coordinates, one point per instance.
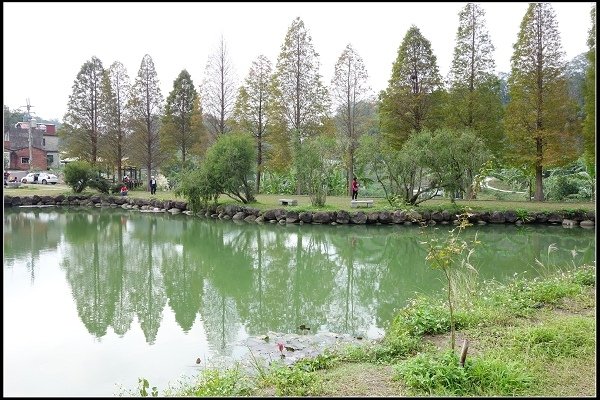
(24, 160)
(50, 159)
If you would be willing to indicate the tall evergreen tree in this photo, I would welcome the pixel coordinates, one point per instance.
(81, 133)
(540, 117)
(178, 133)
(251, 107)
(115, 94)
(412, 100)
(146, 111)
(474, 100)
(219, 89)
(350, 91)
(302, 98)
(589, 124)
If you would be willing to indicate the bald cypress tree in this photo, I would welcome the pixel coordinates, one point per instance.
(350, 93)
(146, 106)
(589, 124)
(540, 116)
(412, 99)
(250, 110)
(300, 96)
(300, 103)
(115, 94)
(219, 90)
(81, 131)
(178, 133)
(474, 94)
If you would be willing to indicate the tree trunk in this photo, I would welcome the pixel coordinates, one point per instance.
(539, 188)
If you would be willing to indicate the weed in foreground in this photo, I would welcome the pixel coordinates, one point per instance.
(294, 381)
(214, 382)
(441, 374)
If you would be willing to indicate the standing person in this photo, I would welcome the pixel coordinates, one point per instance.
(6, 175)
(152, 185)
(355, 186)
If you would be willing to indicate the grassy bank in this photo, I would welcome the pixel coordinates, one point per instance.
(526, 338)
(268, 201)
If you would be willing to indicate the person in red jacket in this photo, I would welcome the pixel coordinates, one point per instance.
(354, 188)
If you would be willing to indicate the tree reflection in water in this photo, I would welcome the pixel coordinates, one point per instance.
(242, 279)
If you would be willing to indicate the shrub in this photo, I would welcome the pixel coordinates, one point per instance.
(560, 187)
(78, 175)
(228, 168)
(100, 184)
(278, 183)
(199, 188)
(314, 168)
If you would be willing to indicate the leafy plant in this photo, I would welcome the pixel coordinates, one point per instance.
(447, 255)
(523, 215)
(100, 184)
(78, 174)
(143, 388)
(321, 361)
(314, 166)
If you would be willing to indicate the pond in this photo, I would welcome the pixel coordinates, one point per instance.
(96, 298)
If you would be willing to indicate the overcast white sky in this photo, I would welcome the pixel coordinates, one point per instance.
(45, 44)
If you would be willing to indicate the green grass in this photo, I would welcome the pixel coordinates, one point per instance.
(562, 337)
(270, 201)
(439, 374)
(213, 382)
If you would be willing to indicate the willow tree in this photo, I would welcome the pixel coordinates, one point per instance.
(81, 130)
(146, 110)
(250, 112)
(474, 95)
(412, 100)
(178, 132)
(540, 116)
(219, 89)
(350, 91)
(115, 93)
(589, 124)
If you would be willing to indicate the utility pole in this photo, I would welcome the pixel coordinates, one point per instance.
(29, 122)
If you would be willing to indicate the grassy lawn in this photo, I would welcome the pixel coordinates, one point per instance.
(270, 201)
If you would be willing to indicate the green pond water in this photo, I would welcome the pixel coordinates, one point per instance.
(96, 298)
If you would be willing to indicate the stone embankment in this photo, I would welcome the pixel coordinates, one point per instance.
(282, 216)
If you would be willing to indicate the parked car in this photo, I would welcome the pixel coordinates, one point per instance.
(40, 177)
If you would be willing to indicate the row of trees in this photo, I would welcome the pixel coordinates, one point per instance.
(287, 107)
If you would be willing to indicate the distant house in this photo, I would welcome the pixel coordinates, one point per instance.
(44, 146)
